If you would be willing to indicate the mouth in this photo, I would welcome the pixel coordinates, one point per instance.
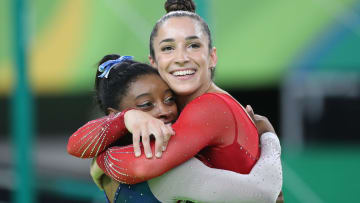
(183, 73)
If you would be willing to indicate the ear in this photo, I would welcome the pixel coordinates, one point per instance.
(152, 62)
(213, 57)
(112, 111)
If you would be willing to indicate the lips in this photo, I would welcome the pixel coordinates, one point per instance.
(186, 72)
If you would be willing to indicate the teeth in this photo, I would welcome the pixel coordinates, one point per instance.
(183, 72)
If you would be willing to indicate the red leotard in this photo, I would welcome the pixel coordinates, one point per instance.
(214, 127)
(95, 136)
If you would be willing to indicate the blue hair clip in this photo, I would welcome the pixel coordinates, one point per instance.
(105, 67)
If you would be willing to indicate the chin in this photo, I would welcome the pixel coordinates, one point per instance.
(183, 91)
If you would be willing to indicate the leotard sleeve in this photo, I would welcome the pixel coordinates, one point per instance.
(96, 136)
(216, 185)
(202, 123)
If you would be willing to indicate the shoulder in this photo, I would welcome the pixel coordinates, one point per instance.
(211, 99)
(208, 103)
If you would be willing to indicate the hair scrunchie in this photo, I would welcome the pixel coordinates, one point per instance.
(105, 67)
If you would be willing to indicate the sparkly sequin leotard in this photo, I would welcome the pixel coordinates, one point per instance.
(213, 127)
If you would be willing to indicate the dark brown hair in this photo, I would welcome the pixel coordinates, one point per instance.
(110, 91)
(179, 5)
(179, 8)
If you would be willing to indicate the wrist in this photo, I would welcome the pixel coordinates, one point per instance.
(127, 116)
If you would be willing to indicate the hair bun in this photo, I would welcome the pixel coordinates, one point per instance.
(179, 5)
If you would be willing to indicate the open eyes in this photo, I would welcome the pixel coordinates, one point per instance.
(193, 45)
(166, 48)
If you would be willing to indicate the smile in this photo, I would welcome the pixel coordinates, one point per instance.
(183, 72)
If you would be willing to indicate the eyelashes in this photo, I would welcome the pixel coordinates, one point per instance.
(192, 45)
(148, 105)
(145, 105)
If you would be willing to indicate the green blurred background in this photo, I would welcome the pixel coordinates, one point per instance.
(296, 62)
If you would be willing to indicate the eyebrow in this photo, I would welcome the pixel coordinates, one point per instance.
(142, 95)
(167, 40)
(148, 94)
(173, 40)
(192, 37)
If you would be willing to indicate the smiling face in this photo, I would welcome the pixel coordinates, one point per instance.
(182, 56)
(151, 94)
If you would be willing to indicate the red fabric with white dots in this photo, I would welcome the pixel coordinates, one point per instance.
(97, 135)
(213, 126)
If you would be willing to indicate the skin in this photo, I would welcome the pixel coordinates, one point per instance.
(150, 94)
(179, 45)
(110, 186)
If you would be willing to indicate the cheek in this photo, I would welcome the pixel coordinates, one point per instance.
(153, 112)
(205, 58)
(174, 110)
(201, 58)
(163, 62)
(164, 76)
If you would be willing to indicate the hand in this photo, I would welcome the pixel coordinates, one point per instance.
(143, 125)
(262, 124)
(96, 173)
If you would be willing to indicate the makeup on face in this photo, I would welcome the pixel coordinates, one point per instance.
(182, 56)
(151, 94)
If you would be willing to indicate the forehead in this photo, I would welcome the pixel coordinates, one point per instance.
(147, 84)
(180, 27)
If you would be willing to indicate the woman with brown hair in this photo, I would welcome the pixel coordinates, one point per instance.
(212, 125)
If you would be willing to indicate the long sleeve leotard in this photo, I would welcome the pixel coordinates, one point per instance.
(213, 126)
(97, 135)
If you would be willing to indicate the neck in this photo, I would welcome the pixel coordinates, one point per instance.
(183, 100)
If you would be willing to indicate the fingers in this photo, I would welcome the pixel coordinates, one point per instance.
(144, 129)
(159, 139)
(146, 143)
(136, 143)
(169, 127)
(168, 132)
(250, 111)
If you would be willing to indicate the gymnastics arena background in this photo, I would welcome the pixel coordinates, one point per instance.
(296, 62)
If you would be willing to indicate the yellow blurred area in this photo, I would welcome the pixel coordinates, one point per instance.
(7, 77)
(50, 56)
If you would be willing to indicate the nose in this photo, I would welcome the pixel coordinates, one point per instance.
(164, 113)
(181, 56)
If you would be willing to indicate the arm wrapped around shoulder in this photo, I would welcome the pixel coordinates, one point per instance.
(97, 135)
(262, 185)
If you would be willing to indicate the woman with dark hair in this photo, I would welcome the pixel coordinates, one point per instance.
(212, 125)
(121, 83)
